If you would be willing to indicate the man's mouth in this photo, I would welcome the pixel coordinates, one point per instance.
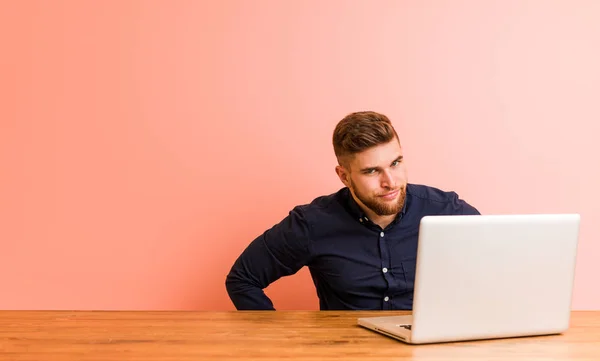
(390, 195)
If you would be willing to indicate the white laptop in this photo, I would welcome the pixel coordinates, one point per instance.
(489, 276)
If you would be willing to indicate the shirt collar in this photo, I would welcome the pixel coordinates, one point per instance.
(358, 214)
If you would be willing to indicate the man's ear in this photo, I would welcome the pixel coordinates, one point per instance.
(343, 174)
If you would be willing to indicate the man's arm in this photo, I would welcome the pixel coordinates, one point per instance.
(280, 251)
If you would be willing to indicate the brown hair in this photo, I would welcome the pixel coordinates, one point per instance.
(359, 131)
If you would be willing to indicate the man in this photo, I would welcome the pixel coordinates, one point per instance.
(360, 243)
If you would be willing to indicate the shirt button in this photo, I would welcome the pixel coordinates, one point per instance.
(386, 298)
(360, 220)
(381, 234)
(384, 270)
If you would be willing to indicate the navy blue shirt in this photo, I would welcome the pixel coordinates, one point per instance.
(354, 264)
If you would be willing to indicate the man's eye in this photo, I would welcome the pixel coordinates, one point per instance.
(395, 163)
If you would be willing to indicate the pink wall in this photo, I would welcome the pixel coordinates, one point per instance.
(144, 144)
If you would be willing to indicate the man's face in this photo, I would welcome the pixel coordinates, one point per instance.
(377, 178)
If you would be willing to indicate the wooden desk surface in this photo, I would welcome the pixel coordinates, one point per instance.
(302, 335)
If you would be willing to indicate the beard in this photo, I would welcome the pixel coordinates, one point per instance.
(379, 206)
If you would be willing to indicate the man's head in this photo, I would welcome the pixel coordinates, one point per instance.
(371, 162)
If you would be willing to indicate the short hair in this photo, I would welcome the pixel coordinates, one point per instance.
(360, 131)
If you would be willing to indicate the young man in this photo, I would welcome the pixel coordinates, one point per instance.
(360, 243)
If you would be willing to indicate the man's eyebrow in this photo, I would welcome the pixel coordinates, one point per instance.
(399, 158)
(369, 168)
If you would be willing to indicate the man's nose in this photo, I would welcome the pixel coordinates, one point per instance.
(387, 180)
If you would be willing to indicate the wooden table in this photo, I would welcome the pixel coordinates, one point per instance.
(302, 335)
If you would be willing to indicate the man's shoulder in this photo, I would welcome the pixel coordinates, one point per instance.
(439, 201)
(326, 209)
(324, 203)
(430, 193)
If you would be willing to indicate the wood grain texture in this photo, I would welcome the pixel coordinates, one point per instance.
(298, 335)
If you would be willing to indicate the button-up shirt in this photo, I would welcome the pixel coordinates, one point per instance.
(354, 263)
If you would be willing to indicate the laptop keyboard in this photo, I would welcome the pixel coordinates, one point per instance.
(408, 327)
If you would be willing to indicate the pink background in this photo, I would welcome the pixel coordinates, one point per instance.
(144, 144)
